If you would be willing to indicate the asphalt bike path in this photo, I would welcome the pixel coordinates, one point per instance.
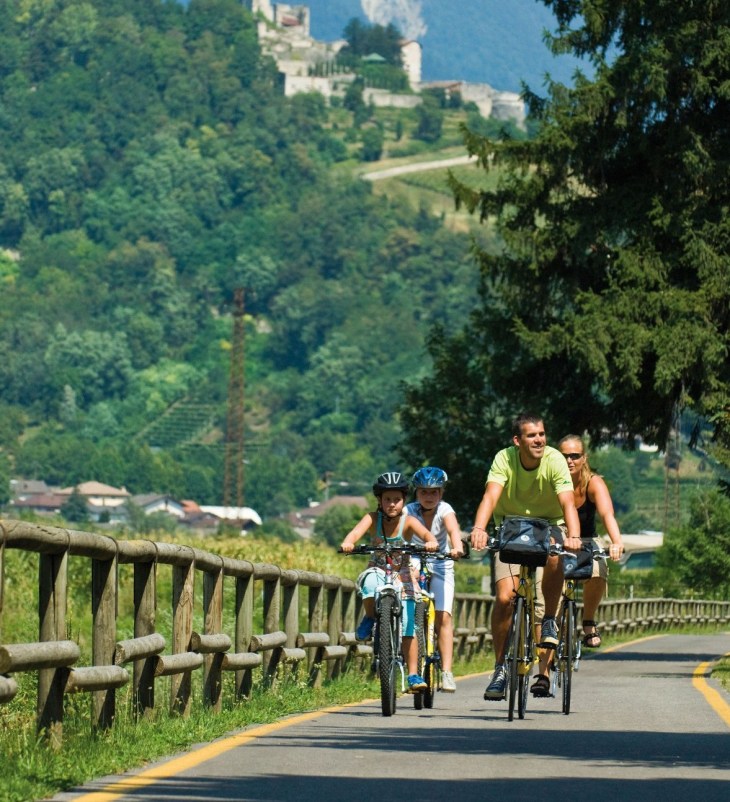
(646, 723)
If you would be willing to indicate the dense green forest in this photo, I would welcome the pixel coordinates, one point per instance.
(148, 167)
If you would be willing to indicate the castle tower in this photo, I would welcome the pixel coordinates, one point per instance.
(264, 6)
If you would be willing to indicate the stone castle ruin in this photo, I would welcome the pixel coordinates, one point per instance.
(304, 62)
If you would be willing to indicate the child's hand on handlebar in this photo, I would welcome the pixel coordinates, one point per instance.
(431, 545)
(346, 547)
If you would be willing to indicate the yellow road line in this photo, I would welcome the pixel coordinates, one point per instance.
(716, 700)
(191, 759)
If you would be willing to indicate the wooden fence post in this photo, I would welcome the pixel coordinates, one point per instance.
(183, 586)
(334, 612)
(52, 585)
(213, 625)
(145, 609)
(244, 631)
(315, 625)
(272, 613)
(104, 636)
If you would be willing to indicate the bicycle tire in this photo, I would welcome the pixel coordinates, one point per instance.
(433, 659)
(421, 624)
(568, 633)
(513, 650)
(387, 666)
(525, 661)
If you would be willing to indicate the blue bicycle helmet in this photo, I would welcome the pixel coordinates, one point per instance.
(390, 480)
(429, 477)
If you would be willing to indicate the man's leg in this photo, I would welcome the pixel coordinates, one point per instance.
(501, 618)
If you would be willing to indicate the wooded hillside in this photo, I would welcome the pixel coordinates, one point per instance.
(148, 166)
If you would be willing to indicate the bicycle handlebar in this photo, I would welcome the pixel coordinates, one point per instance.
(405, 548)
(556, 549)
(560, 551)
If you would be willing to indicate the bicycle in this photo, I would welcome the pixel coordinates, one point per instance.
(522, 649)
(429, 657)
(568, 652)
(387, 653)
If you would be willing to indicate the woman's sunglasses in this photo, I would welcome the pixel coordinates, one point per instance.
(574, 457)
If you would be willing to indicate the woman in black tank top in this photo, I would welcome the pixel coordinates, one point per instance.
(591, 496)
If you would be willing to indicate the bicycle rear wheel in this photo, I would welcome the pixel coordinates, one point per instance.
(514, 650)
(567, 635)
(421, 627)
(387, 657)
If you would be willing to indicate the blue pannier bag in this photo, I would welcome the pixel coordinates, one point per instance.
(578, 566)
(525, 541)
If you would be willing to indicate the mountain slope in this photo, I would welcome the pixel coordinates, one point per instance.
(499, 42)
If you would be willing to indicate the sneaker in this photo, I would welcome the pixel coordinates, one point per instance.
(497, 688)
(549, 633)
(416, 683)
(365, 628)
(447, 682)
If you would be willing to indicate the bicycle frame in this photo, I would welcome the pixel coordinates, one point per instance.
(429, 657)
(521, 653)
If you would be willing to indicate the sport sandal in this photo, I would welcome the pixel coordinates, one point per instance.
(541, 686)
(591, 640)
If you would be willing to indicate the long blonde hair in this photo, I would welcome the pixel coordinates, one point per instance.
(585, 469)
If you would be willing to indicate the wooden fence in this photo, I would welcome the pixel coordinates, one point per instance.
(261, 592)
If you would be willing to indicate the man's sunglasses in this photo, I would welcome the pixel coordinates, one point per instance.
(574, 457)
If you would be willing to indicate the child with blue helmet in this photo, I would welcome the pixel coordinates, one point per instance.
(440, 519)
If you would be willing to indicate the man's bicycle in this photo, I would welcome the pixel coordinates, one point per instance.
(388, 661)
(521, 652)
(567, 655)
(429, 657)
(524, 542)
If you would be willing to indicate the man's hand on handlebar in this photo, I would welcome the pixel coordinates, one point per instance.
(478, 538)
(572, 543)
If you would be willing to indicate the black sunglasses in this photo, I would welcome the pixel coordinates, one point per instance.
(574, 457)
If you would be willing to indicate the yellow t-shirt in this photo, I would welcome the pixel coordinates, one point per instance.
(530, 493)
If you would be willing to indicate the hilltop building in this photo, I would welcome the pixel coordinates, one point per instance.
(307, 65)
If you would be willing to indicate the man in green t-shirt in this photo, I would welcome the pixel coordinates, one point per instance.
(528, 479)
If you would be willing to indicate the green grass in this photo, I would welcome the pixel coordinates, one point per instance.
(721, 672)
(32, 770)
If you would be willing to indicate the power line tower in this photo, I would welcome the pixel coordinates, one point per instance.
(672, 462)
(233, 478)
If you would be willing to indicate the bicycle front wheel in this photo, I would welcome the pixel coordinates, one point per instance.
(421, 627)
(525, 661)
(568, 635)
(387, 656)
(515, 648)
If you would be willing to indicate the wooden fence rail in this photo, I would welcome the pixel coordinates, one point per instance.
(262, 592)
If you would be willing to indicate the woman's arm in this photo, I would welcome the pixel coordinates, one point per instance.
(597, 492)
(360, 528)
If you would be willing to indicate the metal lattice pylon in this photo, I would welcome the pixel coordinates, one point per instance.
(233, 479)
(672, 462)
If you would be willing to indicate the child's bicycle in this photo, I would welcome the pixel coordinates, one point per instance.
(387, 653)
(568, 651)
(429, 657)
